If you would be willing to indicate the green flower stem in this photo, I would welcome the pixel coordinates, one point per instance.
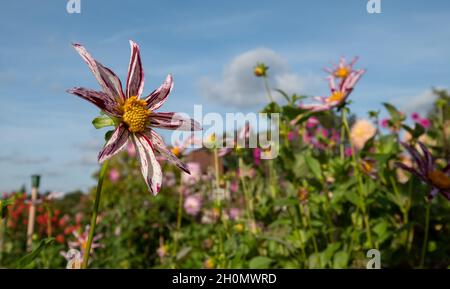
(307, 224)
(266, 86)
(425, 239)
(179, 217)
(94, 214)
(247, 196)
(358, 176)
(341, 144)
(221, 257)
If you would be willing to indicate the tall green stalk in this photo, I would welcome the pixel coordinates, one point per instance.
(94, 214)
(425, 239)
(266, 86)
(179, 217)
(360, 183)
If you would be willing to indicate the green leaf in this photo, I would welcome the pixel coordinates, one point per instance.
(340, 260)
(260, 262)
(314, 166)
(286, 202)
(284, 94)
(393, 112)
(108, 135)
(354, 198)
(102, 121)
(27, 259)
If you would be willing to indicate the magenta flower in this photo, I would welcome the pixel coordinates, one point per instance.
(192, 205)
(340, 91)
(424, 122)
(427, 171)
(114, 175)
(257, 156)
(312, 122)
(384, 123)
(135, 118)
(234, 213)
(348, 152)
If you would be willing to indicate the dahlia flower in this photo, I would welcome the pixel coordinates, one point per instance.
(134, 117)
(73, 258)
(193, 204)
(427, 171)
(348, 77)
(362, 131)
(81, 241)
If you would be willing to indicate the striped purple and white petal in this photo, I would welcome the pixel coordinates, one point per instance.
(412, 171)
(428, 158)
(109, 82)
(416, 157)
(161, 148)
(98, 98)
(150, 168)
(135, 78)
(173, 121)
(159, 96)
(115, 144)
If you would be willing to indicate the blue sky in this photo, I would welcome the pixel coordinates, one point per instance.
(202, 43)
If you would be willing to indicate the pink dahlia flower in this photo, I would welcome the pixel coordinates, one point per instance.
(348, 77)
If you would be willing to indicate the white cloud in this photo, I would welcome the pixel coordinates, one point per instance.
(240, 88)
(419, 103)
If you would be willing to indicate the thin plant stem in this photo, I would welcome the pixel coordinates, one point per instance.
(341, 144)
(360, 184)
(266, 86)
(94, 214)
(307, 224)
(179, 217)
(425, 239)
(247, 196)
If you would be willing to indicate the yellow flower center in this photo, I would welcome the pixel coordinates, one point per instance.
(135, 114)
(212, 138)
(439, 179)
(259, 71)
(176, 151)
(342, 72)
(239, 228)
(337, 96)
(367, 167)
(83, 244)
